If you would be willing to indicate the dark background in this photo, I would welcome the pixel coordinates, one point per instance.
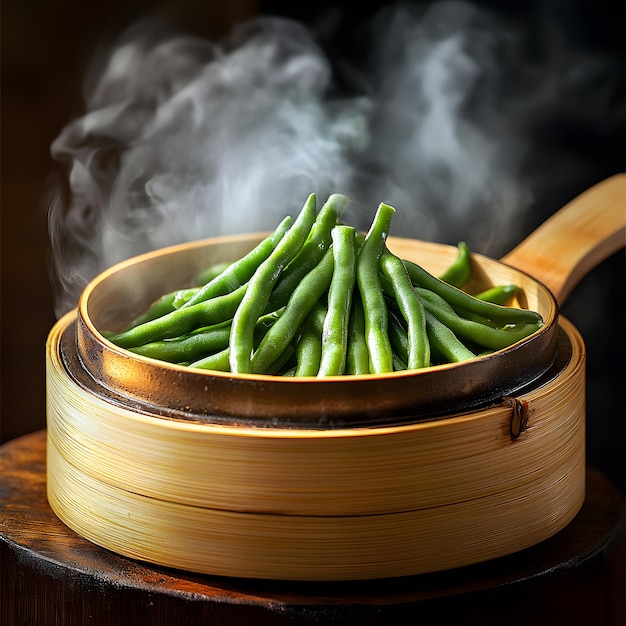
(46, 48)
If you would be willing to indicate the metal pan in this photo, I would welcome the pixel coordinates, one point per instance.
(547, 265)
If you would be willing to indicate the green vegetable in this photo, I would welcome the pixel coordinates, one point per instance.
(317, 298)
(501, 294)
(260, 286)
(301, 303)
(357, 354)
(367, 278)
(164, 304)
(399, 364)
(399, 337)
(312, 251)
(284, 361)
(458, 298)
(188, 347)
(410, 305)
(183, 320)
(240, 272)
(445, 343)
(210, 273)
(220, 361)
(470, 330)
(335, 334)
(158, 308)
(308, 351)
(183, 296)
(460, 271)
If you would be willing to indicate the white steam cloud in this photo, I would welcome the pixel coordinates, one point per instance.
(184, 138)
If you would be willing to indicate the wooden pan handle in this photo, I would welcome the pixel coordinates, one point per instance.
(581, 235)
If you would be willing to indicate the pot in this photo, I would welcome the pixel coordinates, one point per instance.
(546, 265)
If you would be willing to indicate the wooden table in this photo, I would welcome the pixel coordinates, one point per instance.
(52, 576)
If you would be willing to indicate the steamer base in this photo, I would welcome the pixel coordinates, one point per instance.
(300, 505)
(51, 575)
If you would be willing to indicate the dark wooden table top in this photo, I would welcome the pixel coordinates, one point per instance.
(51, 575)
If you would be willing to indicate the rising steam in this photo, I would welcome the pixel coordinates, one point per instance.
(184, 138)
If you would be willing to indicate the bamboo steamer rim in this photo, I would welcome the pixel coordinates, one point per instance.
(575, 361)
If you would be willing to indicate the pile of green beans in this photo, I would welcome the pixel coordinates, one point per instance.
(317, 298)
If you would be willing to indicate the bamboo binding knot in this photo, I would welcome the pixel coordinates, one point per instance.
(519, 415)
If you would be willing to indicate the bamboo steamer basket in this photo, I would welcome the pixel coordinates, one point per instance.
(236, 475)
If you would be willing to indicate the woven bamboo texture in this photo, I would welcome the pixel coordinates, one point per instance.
(299, 504)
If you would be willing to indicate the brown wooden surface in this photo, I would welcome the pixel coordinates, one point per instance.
(50, 575)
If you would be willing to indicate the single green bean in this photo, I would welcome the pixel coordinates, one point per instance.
(359, 240)
(264, 323)
(445, 343)
(458, 298)
(219, 361)
(357, 355)
(201, 342)
(211, 272)
(300, 304)
(398, 333)
(182, 321)
(470, 330)
(317, 316)
(459, 272)
(183, 296)
(159, 307)
(163, 305)
(469, 315)
(368, 281)
(398, 363)
(284, 362)
(399, 337)
(475, 317)
(312, 251)
(261, 284)
(240, 272)
(189, 347)
(308, 351)
(401, 288)
(335, 335)
(500, 294)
